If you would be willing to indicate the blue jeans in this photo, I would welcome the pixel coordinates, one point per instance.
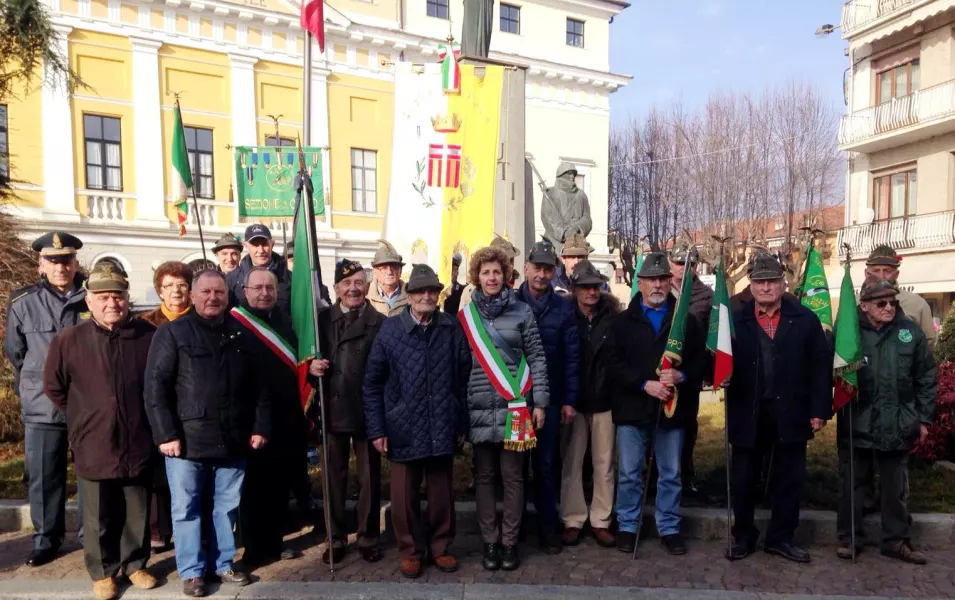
(187, 480)
(632, 445)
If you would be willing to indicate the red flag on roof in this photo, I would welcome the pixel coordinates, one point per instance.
(312, 20)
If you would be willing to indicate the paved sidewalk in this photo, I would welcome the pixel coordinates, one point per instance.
(584, 568)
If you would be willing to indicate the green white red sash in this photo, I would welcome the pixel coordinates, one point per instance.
(519, 429)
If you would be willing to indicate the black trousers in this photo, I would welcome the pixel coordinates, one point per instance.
(263, 511)
(160, 506)
(368, 467)
(44, 476)
(788, 473)
(893, 474)
(116, 513)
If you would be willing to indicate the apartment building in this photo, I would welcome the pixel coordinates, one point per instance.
(899, 133)
(98, 163)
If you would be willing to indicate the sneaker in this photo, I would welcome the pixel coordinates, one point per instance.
(194, 588)
(411, 567)
(571, 536)
(142, 579)
(626, 541)
(905, 553)
(604, 537)
(674, 544)
(105, 589)
(445, 563)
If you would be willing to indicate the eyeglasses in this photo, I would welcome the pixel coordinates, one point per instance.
(175, 286)
(258, 289)
(884, 303)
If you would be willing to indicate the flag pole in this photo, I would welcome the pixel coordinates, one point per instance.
(726, 435)
(852, 459)
(195, 199)
(307, 92)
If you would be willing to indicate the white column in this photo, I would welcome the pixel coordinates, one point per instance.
(319, 133)
(147, 124)
(59, 182)
(243, 100)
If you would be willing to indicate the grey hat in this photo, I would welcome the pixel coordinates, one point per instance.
(542, 253)
(585, 273)
(107, 278)
(227, 241)
(510, 249)
(765, 267)
(655, 264)
(683, 254)
(386, 255)
(883, 255)
(423, 278)
(877, 287)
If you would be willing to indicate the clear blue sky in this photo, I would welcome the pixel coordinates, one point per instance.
(684, 49)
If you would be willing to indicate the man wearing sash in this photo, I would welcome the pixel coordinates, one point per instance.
(269, 473)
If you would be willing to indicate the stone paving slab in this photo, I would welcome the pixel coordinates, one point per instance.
(576, 572)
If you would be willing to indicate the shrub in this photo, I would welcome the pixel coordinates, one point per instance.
(940, 443)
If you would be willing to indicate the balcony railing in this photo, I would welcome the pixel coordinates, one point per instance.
(918, 107)
(856, 13)
(102, 207)
(933, 230)
(205, 216)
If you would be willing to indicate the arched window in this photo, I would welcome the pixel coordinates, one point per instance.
(118, 263)
(201, 265)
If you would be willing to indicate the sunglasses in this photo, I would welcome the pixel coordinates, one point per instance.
(884, 303)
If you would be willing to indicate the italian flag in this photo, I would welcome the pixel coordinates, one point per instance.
(719, 341)
(848, 357)
(673, 353)
(181, 172)
(450, 69)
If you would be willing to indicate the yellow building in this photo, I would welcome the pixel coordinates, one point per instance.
(98, 164)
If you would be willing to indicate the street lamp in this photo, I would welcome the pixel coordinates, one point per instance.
(824, 30)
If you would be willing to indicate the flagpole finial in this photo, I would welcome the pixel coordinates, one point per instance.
(848, 250)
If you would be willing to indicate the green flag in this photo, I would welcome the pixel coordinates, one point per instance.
(673, 353)
(848, 357)
(636, 269)
(265, 180)
(814, 293)
(306, 281)
(181, 172)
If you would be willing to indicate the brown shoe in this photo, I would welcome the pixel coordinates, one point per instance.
(411, 567)
(571, 536)
(604, 537)
(194, 587)
(105, 589)
(234, 577)
(446, 563)
(905, 553)
(142, 579)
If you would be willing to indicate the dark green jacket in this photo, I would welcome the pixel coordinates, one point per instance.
(897, 387)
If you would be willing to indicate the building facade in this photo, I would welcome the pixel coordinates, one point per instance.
(899, 133)
(98, 163)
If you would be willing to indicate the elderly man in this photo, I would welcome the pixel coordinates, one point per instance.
(228, 251)
(637, 341)
(781, 393)
(34, 316)
(574, 250)
(258, 244)
(593, 421)
(414, 397)
(884, 262)
(684, 262)
(95, 374)
(208, 399)
(348, 331)
(894, 409)
(557, 323)
(270, 471)
(387, 292)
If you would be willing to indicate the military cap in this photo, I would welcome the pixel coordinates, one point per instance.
(542, 253)
(576, 245)
(423, 278)
(682, 254)
(290, 249)
(510, 249)
(346, 268)
(876, 287)
(585, 273)
(257, 230)
(655, 264)
(57, 243)
(105, 277)
(386, 255)
(227, 241)
(765, 267)
(883, 255)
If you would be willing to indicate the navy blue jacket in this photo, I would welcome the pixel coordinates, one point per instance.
(557, 322)
(415, 386)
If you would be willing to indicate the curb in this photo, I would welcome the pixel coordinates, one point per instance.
(815, 526)
(80, 590)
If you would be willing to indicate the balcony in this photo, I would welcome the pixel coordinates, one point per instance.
(859, 13)
(206, 215)
(918, 232)
(104, 207)
(921, 115)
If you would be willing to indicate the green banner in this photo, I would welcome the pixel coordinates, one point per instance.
(814, 293)
(265, 180)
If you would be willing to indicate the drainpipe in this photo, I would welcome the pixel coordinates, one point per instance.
(401, 24)
(848, 209)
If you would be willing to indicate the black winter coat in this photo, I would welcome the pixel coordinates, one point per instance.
(279, 267)
(594, 394)
(557, 323)
(415, 386)
(801, 387)
(206, 386)
(634, 355)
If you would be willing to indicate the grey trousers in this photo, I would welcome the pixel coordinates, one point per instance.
(893, 479)
(489, 460)
(117, 526)
(44, 476)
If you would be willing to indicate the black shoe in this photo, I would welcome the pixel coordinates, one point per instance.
(194, 588)
(234, 577)
(38, 558)
(788, 551)
(550, 542)
(740, 550)
(845, 553)
(492, 557)
(290, 554)
(509, 558)
(338, 553)
(626, 541)
(370, 554)
(674, 544)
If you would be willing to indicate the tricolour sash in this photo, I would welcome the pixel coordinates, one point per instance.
(519, 429)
